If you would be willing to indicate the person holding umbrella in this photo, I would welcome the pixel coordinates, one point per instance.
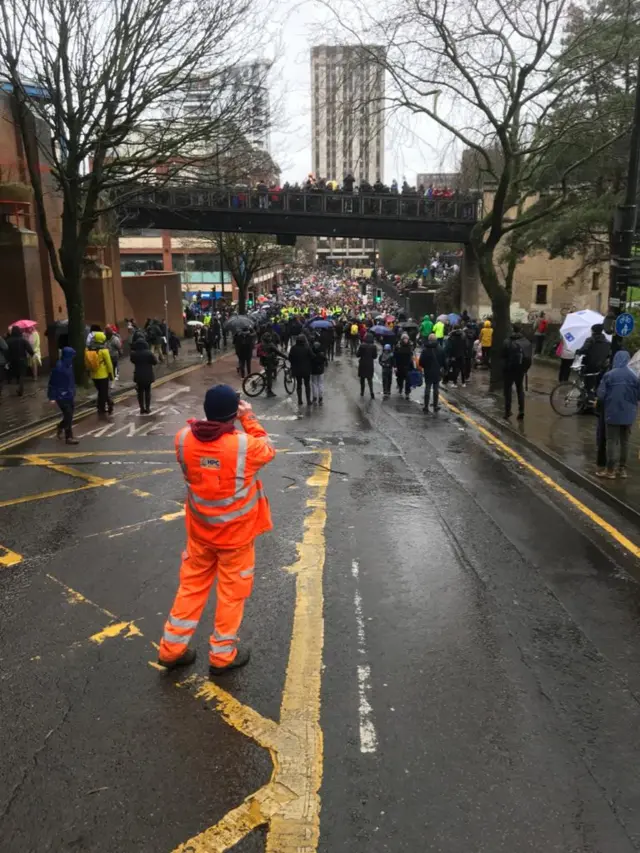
(19, 351)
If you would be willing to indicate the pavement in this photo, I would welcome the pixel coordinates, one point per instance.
(34, 407)
(571, 441)
(445, 636)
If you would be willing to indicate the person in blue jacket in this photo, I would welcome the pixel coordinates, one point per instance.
(619, 392)
(62, 391)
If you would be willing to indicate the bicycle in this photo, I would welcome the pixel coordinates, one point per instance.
(574, 396)
(255, 383)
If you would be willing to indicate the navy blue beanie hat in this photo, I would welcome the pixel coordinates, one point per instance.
(221, 403)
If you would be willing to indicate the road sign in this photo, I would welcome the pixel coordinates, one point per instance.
(624, 325)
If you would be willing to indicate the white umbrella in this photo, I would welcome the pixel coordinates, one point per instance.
(634, 364)
(195, 323)
(577, 327)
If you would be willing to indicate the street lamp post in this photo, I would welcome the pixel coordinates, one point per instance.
(624, 223)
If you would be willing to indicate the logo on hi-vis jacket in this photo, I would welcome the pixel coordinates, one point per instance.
(209, 462)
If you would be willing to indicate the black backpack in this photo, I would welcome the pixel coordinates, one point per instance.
(520, 353)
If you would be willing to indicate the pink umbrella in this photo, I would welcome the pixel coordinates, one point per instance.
(25, 325)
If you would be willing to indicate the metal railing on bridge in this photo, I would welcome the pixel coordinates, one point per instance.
(322, 202)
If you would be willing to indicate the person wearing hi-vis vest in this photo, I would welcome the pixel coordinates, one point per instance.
(226, 509)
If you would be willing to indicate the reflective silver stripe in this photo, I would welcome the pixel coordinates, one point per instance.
(217, 649)
(241, 462)
(223, 501)
(176, 638)
(181, 439)
(224, 636)
(246, 573)
(182, 623)
(228, 516)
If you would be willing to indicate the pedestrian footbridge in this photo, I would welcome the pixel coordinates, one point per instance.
(289, 213)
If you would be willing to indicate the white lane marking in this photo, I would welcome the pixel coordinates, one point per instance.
(368, 734)
(182, 390)
(277, 417)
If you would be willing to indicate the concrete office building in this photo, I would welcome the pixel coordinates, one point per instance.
(246, 84)
(347, 128)
(347, 124)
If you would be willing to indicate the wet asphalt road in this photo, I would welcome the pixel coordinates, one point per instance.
(481, 657)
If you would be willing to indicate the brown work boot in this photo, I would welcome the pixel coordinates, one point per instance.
(185, 659)
(241, 659)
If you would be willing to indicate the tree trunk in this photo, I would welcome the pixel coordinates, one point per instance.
(242, 297)
(501, 311)
(77, 334)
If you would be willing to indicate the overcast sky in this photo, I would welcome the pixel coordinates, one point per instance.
(410, 146)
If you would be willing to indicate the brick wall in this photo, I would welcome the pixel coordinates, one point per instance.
(144, 298)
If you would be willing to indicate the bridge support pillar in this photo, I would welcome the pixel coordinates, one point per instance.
(471, 286)
(167, 258)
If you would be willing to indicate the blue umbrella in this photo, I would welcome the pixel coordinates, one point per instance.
(321, 324)
(381, 330)
(454, 318)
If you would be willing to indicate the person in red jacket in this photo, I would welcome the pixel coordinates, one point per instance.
(540, 333)
(226, 509)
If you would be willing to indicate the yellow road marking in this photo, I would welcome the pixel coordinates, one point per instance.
(77, 454)
(114, 630)
(290, 802)
(64, 469)
(8, 557)
(75, 597)
(38, 431)
(171, 516)
(103, 483)
(548, 481)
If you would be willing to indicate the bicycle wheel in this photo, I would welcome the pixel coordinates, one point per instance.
(566, 399)
(254, 384)
(289, 382)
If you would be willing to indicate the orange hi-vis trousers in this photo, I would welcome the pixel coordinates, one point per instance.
(201, 566)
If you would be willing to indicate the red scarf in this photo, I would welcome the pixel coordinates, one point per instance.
(210, 430)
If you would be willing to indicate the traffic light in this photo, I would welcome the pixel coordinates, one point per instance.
(250, 298)
(378, 295)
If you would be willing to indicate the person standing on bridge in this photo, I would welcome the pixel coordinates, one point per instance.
(226, 510)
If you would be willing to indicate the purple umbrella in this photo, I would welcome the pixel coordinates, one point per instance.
(381, 330)
(321, 324)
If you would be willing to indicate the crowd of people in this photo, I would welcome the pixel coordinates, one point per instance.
(439, 351)
(149, 346)
(20, 355)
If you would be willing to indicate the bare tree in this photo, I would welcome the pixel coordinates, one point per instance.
(491, 73)
(247, 255)
(126, 97)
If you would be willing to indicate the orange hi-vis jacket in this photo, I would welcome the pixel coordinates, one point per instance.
(226, 506)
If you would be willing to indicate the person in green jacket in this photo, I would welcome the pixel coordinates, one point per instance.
(426, 327)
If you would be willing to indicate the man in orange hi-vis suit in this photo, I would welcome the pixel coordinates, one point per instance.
(226, 509)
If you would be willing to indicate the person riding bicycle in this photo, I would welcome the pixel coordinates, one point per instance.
(596, 351)
(269, 354)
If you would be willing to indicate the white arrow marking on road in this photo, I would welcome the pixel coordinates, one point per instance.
(181, 390)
